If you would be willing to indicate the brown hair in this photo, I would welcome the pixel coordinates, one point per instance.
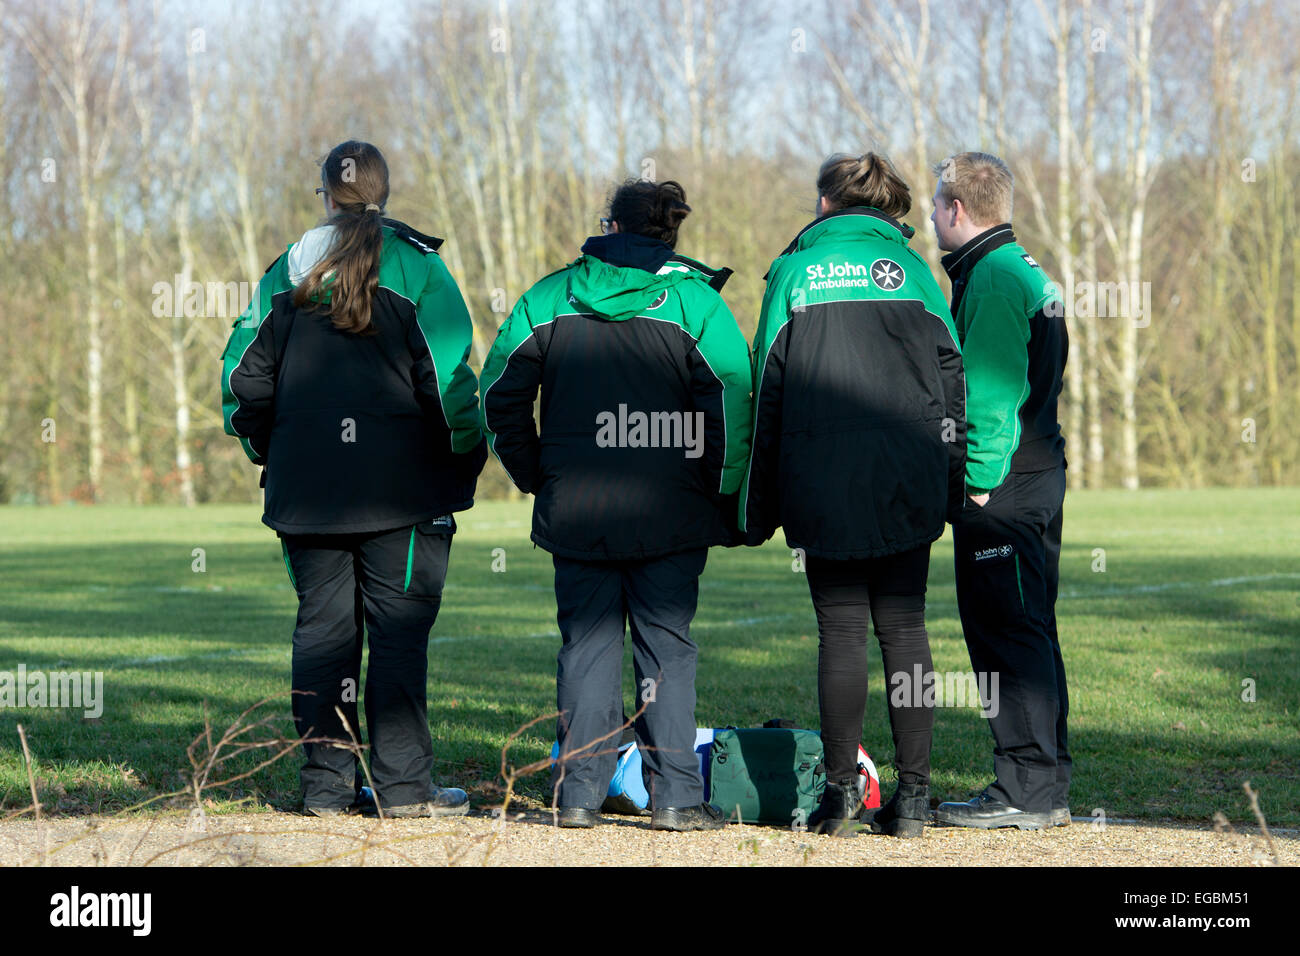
(650, 209)
(356, 176)
(867, 180)
(982, 182)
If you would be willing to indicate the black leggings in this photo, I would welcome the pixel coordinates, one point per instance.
(847, 595)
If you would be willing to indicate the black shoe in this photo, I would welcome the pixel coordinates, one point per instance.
(906, 813)
(839, 812)
(704, 817)
(355, 808)
(578, 818)
(986, 813)
(1060, 816)
(442, 802)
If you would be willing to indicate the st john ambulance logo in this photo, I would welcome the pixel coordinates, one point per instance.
(887, 274)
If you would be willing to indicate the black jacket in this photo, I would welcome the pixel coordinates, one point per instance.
(1010, 320)
(859, 399)
(358, 433)
(645, 410)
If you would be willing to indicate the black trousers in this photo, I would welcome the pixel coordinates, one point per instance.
(1008, 571)
(595, 601)
(389, 585)
(848, 596)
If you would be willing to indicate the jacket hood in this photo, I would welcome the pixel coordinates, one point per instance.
(309, 250)
(619, 292)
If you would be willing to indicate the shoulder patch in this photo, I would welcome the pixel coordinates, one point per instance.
(1030, 259)
(887, 274)
(426, 244)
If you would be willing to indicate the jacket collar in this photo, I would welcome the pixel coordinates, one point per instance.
(876, 221)
(959, 263)
(629, 250)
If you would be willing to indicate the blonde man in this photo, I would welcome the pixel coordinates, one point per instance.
(1007, 536)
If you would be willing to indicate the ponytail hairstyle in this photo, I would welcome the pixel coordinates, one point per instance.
(650, 209)
(356, 177)
(867, 180)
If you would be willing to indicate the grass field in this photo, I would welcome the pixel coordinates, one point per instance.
(1200, 596)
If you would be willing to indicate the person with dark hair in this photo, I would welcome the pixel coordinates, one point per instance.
(859, 437)
(346, 379)
(645, 416)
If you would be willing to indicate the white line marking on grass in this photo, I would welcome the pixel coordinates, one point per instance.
(1178, 586)
(449, 638)
(173, 658)
(746, 621)
(741, 622)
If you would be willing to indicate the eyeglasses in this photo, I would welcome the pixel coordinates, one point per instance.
(605, 225)
(320, 190)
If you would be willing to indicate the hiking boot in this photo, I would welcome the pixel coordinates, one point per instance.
(442, 802)
(839, 812)
(682, 819)
(579, 818)
(906, 813)
(356, 807)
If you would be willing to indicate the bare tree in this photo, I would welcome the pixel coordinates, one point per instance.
(83, 58)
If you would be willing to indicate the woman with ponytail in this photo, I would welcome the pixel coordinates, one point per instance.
(347, 380)
(859, 442)
(645, 384)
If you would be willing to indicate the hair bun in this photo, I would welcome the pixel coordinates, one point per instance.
(649, 208)
(670, 205)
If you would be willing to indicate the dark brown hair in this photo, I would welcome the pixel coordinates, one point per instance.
(356, 176)
(867, 180)
(650, 209)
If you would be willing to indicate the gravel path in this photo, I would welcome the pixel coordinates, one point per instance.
(528, 839)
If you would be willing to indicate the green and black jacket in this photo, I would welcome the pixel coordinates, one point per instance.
(358, 432)
(1011, 323)
(859, 400)
(630, 345)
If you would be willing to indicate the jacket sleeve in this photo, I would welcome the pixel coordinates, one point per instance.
(995, 355)
(759, 495)
(440, 339)
(720, 382)
(511, 376)
(248, 367)
(953, 432)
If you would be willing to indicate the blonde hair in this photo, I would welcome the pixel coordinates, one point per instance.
(867, 180)
(982, 182)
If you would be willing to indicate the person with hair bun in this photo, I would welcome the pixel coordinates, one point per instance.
(346, 378)
(859, 438)
(645, 417)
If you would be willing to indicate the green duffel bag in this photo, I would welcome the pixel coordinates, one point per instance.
(769, 775)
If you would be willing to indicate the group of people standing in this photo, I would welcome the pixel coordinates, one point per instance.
(866, 415)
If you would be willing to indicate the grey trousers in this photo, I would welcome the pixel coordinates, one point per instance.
(595, 601)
